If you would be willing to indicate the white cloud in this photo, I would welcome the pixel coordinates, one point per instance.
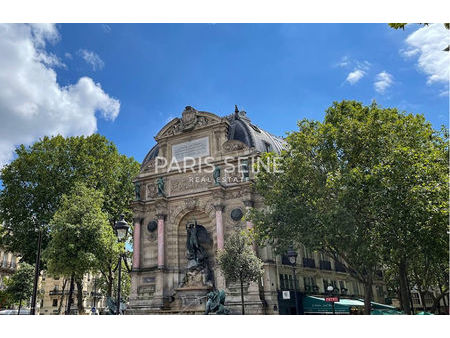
(383, 81)
(427, 43)
(92, 59)
(345, 61)
(32, 103)
(355, 76)
(68, 55)
(360, 69)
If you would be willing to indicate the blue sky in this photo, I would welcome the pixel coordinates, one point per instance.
(278, 73)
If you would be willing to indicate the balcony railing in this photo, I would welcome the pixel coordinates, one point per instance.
(309, 263)
(314, 289)
(325, 265)
(56, 292)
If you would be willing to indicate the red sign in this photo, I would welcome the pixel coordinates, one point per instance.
(332, 299)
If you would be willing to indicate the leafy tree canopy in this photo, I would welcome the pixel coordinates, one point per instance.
(20, 286)
(81, 236)
(367, 185)
(238, 260)
(34, 183)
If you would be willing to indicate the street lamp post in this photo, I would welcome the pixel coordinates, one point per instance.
(121, 228)
(36, 273)
(330, 290)
(94, 305)
(292, 256)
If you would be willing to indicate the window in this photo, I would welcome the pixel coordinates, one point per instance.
(380, 292)
(341, 285)
(255, 128)
(325, 284)
(309, 283)
(55, 302)
(291, 284)
(415, 298)
(5, 259)
(282, 284)
(355, 288)
(13, 261)
(307, 252)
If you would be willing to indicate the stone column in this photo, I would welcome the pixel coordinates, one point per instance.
(161, 241)
(136, 242)
(219, 226)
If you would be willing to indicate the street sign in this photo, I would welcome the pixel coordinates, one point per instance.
(286, 295)
(332, 299)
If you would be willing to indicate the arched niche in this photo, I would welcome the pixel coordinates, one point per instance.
(203, 219)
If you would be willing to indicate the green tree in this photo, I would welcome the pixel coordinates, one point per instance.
(20, 285)
(81, 237)
(5, 299)
(412, 202)
(34, 183)
(239, 263)
(104, 285)
(321, 194)
(336, 190)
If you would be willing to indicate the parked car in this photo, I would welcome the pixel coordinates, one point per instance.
(15, 311)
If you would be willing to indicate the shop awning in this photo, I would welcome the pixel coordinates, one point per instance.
(386, 312)
(380, 306)
(316, 305)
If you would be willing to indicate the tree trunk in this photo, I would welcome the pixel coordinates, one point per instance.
(404, 294)
(422, 300)
(443, 293)
(20, 306)
(69, 302)
(62, 296)
(368, 295)
(109, 290)
(80, 296)
(242, 297)
(437, 300)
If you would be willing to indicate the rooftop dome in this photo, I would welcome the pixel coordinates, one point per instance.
(243, 130)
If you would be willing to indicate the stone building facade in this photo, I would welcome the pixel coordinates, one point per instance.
(169, 198)
(54, 295)
(8, 265)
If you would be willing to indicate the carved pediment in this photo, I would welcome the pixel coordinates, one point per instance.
(191, 119)
(234, 145)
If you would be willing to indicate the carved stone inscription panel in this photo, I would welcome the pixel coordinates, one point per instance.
(195, 148)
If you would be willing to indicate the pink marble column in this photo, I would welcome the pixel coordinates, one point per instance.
(160, 241)
(136, 242)
(219, 227)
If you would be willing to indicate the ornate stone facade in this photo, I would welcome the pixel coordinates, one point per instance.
(162, 279)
